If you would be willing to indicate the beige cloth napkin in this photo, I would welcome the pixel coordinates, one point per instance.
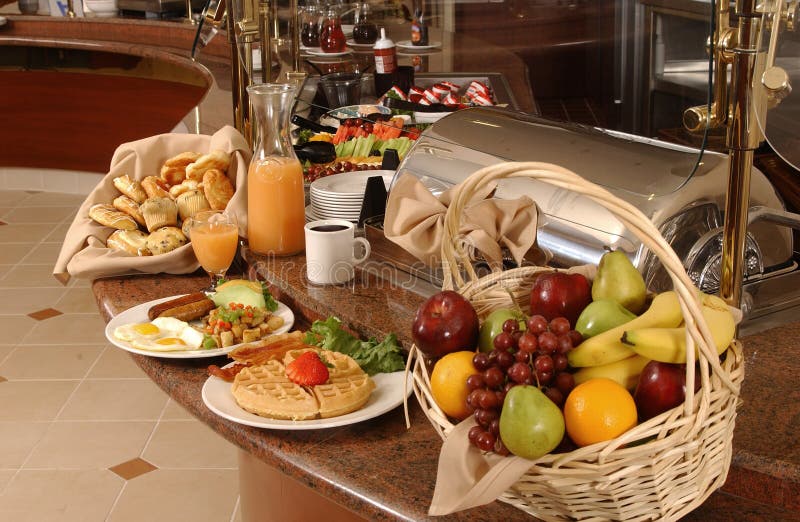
(466, 478)
(84, 254)
(414, 220)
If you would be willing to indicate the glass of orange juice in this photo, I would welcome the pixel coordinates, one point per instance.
(214, 236)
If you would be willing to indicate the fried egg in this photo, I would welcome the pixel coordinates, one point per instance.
(163, 334)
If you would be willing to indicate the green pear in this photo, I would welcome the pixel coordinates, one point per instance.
(531, 425)
(617, 279)
(600, 316)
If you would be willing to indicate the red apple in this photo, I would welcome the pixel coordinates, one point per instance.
(558, 294)
(445, 323)
(662, 386)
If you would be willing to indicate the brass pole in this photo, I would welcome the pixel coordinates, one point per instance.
(236, 80)
(742, 139)
(294, 35)
(266, 40)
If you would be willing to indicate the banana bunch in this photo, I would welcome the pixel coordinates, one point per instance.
(658, 334)
(607, 347)
(669, 344)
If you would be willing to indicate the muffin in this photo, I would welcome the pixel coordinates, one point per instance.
(191, 202)
(165, 240)
(159, 212)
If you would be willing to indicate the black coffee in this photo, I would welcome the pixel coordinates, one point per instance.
(329, 228)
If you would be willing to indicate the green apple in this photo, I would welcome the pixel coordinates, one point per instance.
(602, 315)
(531, 425)
(493, 325)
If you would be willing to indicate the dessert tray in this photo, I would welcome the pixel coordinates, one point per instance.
(138, 314)
(390, 391)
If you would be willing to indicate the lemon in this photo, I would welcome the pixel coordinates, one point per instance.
(449, 383)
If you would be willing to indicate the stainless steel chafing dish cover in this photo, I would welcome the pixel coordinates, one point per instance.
(683, 197)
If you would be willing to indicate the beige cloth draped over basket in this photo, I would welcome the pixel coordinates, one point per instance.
(659, 470)
(84, 254)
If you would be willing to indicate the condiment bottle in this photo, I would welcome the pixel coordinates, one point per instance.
(385, 55)
(332, 39)
(419, 27)
(275, 197)
(365, 31)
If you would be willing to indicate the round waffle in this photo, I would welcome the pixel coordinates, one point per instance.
(265, 390)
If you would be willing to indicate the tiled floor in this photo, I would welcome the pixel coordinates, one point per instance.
(84, 434)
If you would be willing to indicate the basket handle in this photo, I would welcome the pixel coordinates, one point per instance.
(454, 256)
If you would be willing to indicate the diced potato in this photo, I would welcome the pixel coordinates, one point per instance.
(274, 322)
(237, 330)
(250, 335)
(257, 319)
(227, 339)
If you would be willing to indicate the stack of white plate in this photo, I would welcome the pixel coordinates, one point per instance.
(340, 196)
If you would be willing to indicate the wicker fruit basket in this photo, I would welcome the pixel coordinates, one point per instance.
(662, 468)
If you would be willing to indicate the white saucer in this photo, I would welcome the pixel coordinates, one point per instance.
(355, 45)
(406, 44)
(324, 54)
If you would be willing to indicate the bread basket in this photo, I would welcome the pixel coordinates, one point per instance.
(662, 468)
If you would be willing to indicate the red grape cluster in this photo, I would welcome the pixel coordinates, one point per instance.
(535, 356)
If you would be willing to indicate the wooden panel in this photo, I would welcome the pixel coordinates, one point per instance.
(75, 121)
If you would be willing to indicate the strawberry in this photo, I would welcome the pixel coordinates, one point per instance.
(307, 370)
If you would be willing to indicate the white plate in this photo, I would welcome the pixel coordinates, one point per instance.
(311, 215)
(387, 395)
(138, 314)
(406, 44)
(350, 182)
(323, 53)
(346, 199)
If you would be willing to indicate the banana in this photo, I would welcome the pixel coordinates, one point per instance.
(625, 372)
(605, 348)
(669, 344)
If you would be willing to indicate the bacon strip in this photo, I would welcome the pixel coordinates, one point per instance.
(226, 374)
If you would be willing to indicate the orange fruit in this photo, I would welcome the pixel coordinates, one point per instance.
(449, 383)
(598, 410)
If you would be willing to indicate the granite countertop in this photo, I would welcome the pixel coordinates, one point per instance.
(348, 464)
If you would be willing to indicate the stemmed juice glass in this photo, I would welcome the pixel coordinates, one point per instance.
(214, 235)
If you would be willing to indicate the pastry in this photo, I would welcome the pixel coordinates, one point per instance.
(108, 216)
(186, 308)
(127, 205)
(131, 188)
(216, 159)
(190, 203)
(134, 242)
(174, 169)
(185, 186)
(159, 212)
(217, 188)
(155, 187)
(165, 240)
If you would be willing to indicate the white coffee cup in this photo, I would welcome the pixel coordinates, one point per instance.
(330, 251)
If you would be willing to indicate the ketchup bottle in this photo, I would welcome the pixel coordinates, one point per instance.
(385, 55)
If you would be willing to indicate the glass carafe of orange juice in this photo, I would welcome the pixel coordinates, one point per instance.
(275, 200)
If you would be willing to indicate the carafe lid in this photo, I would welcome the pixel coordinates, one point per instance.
(383, 42)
